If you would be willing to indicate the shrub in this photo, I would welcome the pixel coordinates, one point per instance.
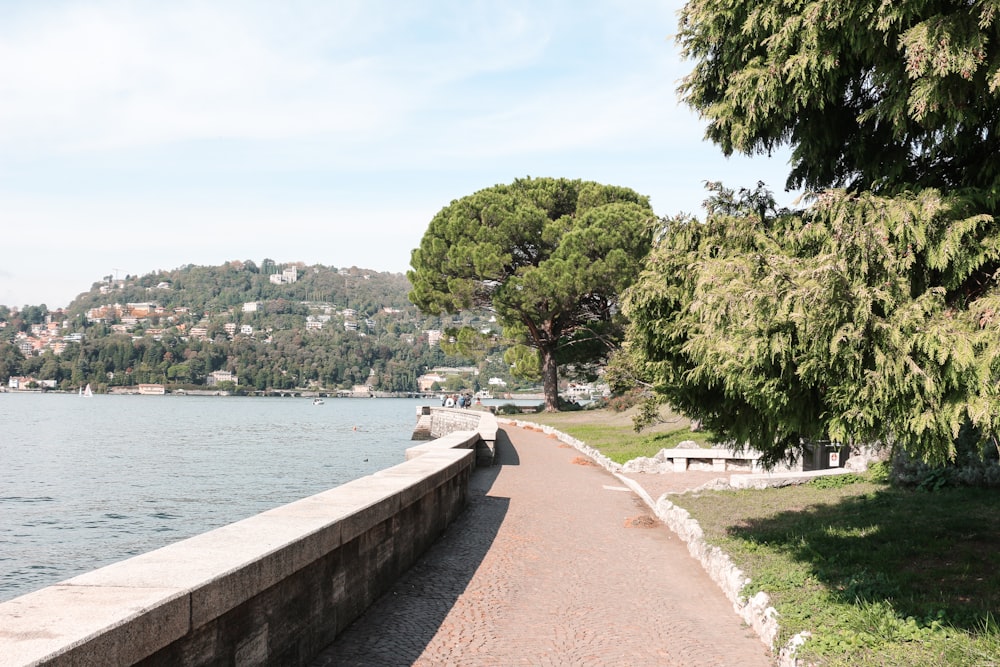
(568, 406)
(837, 481)
(625, 401)
(879, 472)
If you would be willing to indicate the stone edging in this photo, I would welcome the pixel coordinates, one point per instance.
(756, 612)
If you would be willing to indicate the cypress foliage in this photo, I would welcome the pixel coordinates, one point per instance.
(872, 315)
(862, 319)
(883, 96)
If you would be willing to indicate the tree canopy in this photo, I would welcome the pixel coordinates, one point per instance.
(872, 314)
(878, 96)
(548, 256)
(854, 321)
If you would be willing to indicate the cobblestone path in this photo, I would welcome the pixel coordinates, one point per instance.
(554, 562)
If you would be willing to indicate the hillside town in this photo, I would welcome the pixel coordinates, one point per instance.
(177, 343)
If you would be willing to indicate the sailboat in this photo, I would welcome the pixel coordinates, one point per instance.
(86, 392)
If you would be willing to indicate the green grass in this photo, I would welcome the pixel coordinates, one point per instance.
(879, 575)
(618, 440)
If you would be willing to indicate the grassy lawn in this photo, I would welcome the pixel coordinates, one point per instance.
(613, 435)
(879, 575)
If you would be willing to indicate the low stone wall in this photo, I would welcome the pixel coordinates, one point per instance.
(448, 420)
(435, 422)
(273, 589)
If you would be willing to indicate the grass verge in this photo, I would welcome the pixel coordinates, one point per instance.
(879, 575)
(612, 433)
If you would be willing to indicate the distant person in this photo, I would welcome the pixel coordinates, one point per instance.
(461, 401)
(449, 402)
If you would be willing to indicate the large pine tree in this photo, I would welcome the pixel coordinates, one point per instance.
(548, 256)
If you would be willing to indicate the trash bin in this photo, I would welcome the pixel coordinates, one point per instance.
(823, 455)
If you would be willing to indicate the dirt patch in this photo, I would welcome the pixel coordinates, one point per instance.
(583, 461)
(641, 521)
(563, 445)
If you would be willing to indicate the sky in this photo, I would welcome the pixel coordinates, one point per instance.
(145, 136)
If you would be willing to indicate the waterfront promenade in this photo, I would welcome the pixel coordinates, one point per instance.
(554, 562)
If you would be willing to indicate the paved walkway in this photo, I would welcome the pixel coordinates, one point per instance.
(553, 563)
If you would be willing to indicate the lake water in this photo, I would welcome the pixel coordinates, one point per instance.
(85, 482)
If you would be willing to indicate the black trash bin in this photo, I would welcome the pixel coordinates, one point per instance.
(823, 455)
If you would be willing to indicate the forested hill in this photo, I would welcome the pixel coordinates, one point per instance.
(216, 288)
(273, 327)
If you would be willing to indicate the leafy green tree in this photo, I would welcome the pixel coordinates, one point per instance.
(456, 383)
(882, 96)
(50, 369)
(467, 342)
(11, 360)
(33, 315)
(179, 373)
(855, 321)
(548, 256)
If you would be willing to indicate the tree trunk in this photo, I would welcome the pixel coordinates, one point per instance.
(550, 379)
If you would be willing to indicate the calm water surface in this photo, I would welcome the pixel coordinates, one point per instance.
(89, 481)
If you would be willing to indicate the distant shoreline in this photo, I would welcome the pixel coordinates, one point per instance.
(275, 393)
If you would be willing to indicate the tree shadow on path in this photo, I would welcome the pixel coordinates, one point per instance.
(401, 624)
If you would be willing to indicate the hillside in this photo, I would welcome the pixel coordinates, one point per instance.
(237, 326)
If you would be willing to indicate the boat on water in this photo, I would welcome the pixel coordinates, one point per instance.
(317, 401)
(86, 392)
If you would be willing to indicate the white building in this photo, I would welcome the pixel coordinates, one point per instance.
(288, 276)
(425, 382)
(215, 377)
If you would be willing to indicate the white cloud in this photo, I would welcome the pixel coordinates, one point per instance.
(150, 135)
(102, 76)
(96, 78)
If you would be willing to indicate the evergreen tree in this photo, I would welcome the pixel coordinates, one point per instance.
(882, 96)
(842, 322)
(871, 315)
(548, 256)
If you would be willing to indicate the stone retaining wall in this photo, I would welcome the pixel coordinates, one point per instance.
(273, 589)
